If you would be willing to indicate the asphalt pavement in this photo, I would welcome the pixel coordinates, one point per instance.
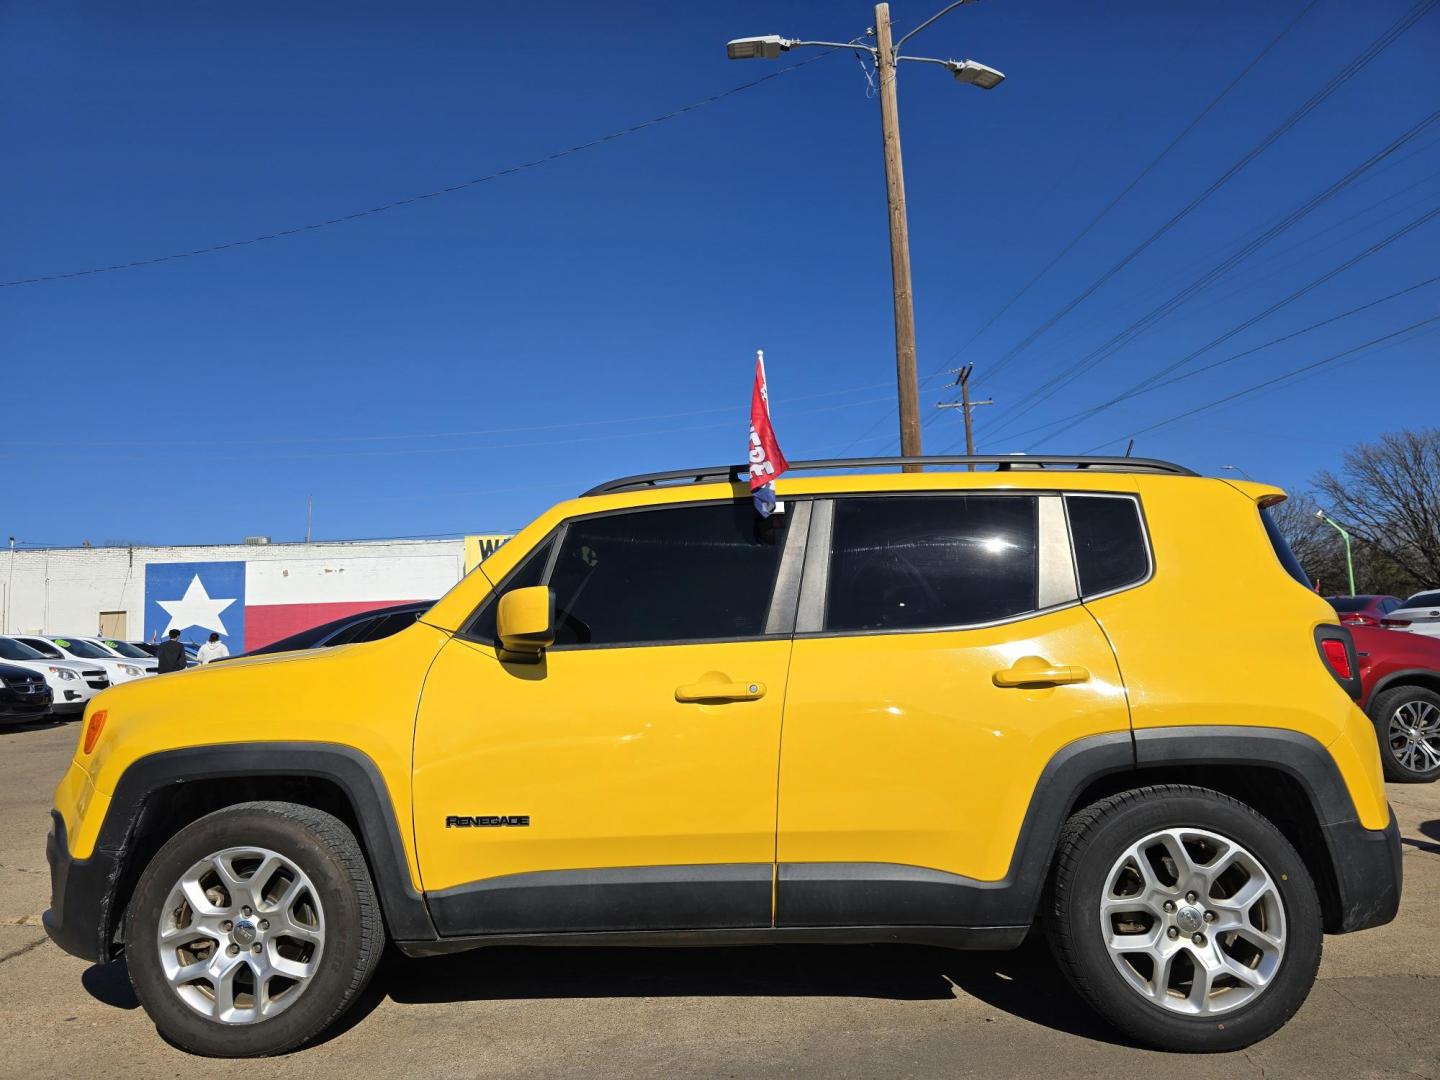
(772, 1011)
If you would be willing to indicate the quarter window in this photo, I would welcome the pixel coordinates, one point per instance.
(902, 563)
(689, 573)
(1109, 541)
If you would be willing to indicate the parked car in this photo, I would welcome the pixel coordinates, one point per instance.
(1400, 691)
(1364, 610)
(122, 648)
(1419, 614)
(72, 682)
(24, 694)
(364, 626)
(905, 709)
(117, 669)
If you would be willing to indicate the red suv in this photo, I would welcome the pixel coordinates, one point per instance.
(1400, 691)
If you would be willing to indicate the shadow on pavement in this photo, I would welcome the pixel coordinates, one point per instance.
(34, 725)
(109, 984)
(1024, 983)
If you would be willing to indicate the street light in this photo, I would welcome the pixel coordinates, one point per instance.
(1349, 565)
(1236, 468)
(886, 55)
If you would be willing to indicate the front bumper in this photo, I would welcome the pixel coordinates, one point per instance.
(1368, 873)
(78, 919)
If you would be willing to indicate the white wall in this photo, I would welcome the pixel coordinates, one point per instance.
(63, 590)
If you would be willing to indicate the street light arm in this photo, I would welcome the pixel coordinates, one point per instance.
(938, 15)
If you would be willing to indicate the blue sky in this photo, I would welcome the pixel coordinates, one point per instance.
(460, 363)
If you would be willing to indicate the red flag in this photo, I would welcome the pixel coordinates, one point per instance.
(766, 459)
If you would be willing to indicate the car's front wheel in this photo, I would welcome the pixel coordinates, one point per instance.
(1407, 722)
(1184, 918)
(253, 929)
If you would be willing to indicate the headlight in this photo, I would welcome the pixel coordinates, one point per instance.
(132, 671)
(64, 674)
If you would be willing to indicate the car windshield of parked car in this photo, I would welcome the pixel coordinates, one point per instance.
(1424, 599)
(44, 648)
(76, 647)
(124, 648)
(1349, 603)
(10, 649)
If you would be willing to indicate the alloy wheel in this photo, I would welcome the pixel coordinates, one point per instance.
(1193, 922)
(1414, 735)
(241, 935)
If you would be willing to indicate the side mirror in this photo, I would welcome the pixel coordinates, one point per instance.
(525, 623)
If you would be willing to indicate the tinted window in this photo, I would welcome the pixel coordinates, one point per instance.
(1424, 599)
(1282, 550)
(925, 561)
(355, 631)
(386, 625)
(525, 576)
(11, 649)
(124, 648)
(676, 574)
(1389, 605)
(1109, 542)
(76, 647)
(44, 648)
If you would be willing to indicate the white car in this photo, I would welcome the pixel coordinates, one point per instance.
(118, 669)
(125, 651)
(1420, 614)
(72, 682)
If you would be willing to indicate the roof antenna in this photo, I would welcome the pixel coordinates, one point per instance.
(1130, 447)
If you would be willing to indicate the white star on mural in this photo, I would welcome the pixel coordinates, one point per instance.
(196, 608)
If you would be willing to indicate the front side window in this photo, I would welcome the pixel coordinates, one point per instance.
(1109, 540)
(688, 573)
(915, 562)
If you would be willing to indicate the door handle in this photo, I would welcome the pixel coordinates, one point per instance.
(707, 690)
(1037, 671)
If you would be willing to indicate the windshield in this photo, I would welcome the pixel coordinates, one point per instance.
(124, 648)
(1349, 603)
(83, 648)
(1424, 599)
(10, 649)
(44, 648)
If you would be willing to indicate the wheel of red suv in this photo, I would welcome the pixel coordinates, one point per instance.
(1184, 918)
(253, 929)
(1407, 722)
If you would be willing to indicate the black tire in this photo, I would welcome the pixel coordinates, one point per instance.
(1092, 842)
(1381, 710)
(325, 850)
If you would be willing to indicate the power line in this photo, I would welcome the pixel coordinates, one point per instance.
(1109, 347)
(1141, 175)
(1147, 386)
(1267, 383)
(1344, 75)
(412, 199)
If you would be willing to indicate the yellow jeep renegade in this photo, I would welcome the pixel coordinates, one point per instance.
(937, 706)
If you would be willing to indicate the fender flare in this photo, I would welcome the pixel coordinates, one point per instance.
(1428, 676)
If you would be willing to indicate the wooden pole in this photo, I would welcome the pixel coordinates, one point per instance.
(965, 399)
(906, 382)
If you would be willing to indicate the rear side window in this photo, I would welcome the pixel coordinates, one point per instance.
(1109, 539)
(1282, 550)
(690, 573)
(909, 563)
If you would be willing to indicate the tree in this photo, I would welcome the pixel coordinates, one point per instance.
(1388, 496)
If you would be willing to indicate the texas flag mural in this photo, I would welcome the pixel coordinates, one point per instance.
(252, 603)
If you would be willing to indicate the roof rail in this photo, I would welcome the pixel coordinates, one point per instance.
(1002, 463)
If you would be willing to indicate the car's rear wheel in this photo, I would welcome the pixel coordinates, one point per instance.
(1407, 723)
(253, 929)
(1184, 918)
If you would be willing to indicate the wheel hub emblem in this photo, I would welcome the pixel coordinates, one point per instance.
(244, 933)
(1189, 919)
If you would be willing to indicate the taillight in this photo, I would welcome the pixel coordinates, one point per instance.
(1337, 657)
(1356, 619)
(1395, 624)
(1337, 650)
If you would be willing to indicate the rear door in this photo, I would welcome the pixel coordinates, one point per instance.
(941, 660)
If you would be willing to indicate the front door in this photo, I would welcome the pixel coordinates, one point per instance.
(627, 782)
(919, 713)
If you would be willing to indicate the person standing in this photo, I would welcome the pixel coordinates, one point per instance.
(213, 649)
(171, 654)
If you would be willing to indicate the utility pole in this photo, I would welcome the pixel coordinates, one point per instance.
(886, 56)
(962, 380)
(309, 515)
(906, 381)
